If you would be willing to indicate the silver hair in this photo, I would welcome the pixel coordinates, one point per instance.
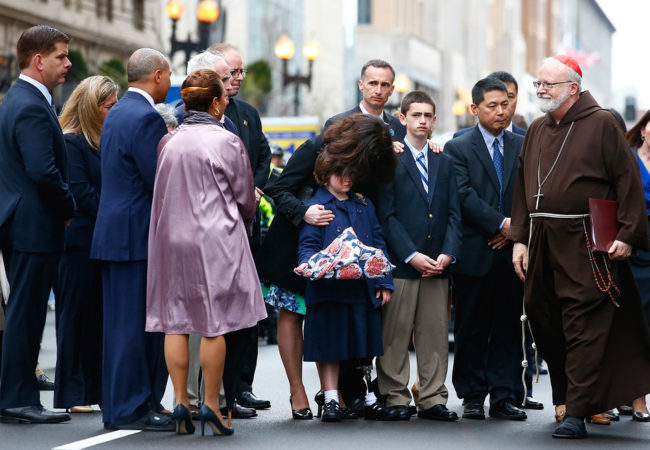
(168, 114)
(204, 60)
(573, 75)
(143, 62)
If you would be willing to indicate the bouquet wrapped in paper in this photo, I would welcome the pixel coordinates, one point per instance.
(347, 258)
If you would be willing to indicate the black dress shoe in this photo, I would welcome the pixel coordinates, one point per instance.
(438, 412)
(379, 411)
(356, 406)
(412, 409)
(531, 403)
(249, 400)
(239, 412)
(32, 414)
(300, 414)
(506, 410)
(331, 412)
(640, 417)
(473, 410)
(571, 428)
(613, 415)
(44, 383)
(151, 421)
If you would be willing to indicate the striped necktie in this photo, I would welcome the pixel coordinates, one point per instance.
(422, 168)
(497, 159)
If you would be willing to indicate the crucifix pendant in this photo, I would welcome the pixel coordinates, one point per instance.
(538, 196)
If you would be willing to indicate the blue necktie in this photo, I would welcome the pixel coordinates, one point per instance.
(422, 168)
(497, 159)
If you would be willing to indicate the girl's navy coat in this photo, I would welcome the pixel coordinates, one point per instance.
(313, 239)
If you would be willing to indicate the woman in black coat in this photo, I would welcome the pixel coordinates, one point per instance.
(78, 293)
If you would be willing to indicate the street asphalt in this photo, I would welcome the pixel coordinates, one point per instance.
(274, 428)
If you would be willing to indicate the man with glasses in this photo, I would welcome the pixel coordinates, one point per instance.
(590, 328)
(249, 125)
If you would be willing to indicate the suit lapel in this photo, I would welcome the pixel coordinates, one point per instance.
(433, 165)
(510, 159)
(34, 90)
(483, 155)
(407, 160)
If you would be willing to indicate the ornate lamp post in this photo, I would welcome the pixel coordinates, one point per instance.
(207, 12)
(284, 49)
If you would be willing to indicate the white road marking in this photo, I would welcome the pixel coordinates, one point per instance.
(106, 437)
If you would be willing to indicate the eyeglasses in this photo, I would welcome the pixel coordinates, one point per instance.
(235, 73)
(543, 85)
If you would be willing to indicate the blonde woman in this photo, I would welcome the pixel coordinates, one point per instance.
(78, 294)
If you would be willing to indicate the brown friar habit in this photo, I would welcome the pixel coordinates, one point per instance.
(598, 355)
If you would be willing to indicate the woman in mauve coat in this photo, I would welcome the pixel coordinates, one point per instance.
(201, 277)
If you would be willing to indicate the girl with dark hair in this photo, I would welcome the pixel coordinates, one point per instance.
(343, 320)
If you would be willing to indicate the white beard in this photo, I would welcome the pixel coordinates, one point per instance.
(548, 104)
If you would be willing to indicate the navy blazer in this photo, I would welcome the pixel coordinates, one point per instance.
(413, 223)
(478, 186)
(129, 141)
(515, 129)
(314, 239)
(35, 199)
(397, 130)
(249, 126)
(85, 184)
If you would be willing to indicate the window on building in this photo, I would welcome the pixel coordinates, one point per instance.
(138, 14)
(365, 7)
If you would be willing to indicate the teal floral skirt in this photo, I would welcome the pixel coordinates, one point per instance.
(282, 298)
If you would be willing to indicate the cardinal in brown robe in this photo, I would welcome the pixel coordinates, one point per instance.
(598, 354)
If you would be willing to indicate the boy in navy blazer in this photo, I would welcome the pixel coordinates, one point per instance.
(420, 213)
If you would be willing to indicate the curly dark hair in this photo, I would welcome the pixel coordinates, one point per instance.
(359, 146)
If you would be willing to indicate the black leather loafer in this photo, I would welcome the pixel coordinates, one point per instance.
(438, 412)
(44, 383)
(531, 403)
(32, 414)
(473, 410)
(151, 421)
(506, 410)
(379, 411)
(331, 412)
(249, 400)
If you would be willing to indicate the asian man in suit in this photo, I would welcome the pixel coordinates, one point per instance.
(35, 206)
(487, 292)
(420, 214)
(134, 373)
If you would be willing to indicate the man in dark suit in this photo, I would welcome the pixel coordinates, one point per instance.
(249, 127)
(420, 213)
(376, 87)
(513, 90)
(35, 206)
(216, 62)
(487, 292)
(134, 372)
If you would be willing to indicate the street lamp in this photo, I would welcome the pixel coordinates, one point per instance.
(284, 49)
(459, 109)
(207, 12)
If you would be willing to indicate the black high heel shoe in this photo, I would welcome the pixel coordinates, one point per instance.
(319, 398)
(207, 415)
(183, 420)
(300, 414)
(331, 412)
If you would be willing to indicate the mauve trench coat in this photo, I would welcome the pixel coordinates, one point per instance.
(201, 278)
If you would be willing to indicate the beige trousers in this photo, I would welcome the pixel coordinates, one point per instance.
(419, 305)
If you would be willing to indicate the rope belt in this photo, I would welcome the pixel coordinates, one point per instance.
(524, 317)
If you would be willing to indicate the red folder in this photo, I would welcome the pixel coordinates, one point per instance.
(604, 223)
